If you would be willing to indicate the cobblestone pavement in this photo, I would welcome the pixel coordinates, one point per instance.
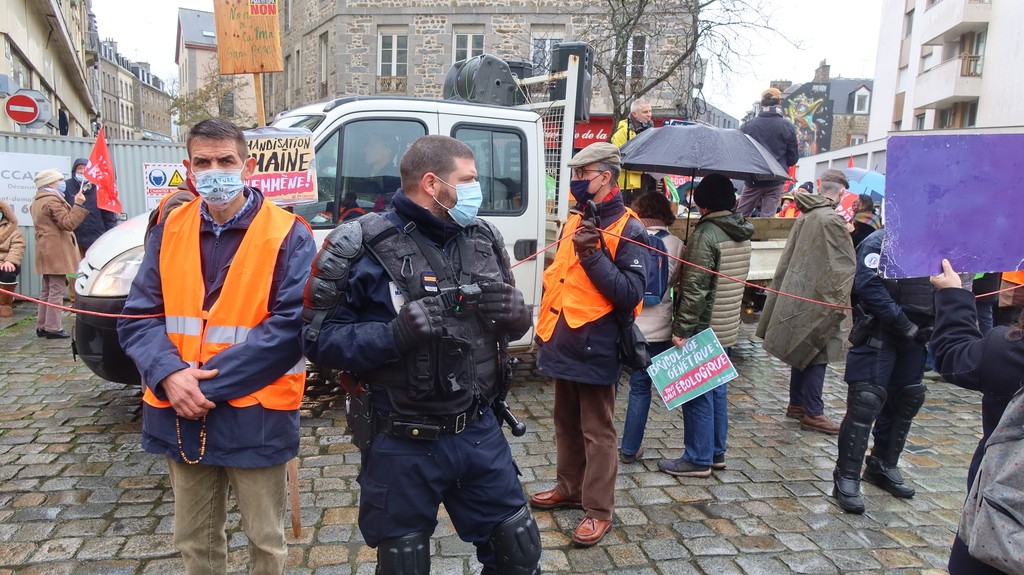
(78, 496)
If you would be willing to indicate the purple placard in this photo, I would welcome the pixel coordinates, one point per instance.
(955, 197)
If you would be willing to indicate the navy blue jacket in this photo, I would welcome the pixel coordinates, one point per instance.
(776, 134)
(991, 364)
(589, 354)
(237, 437)
(358, 337)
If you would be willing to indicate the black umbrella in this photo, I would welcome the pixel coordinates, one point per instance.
(698, 150)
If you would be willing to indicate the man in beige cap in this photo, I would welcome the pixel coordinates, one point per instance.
(56, 253)
(593, 287)
(778, 135)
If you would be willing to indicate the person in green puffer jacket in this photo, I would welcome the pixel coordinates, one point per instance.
(705, 418)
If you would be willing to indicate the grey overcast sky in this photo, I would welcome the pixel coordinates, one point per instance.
(843, 33)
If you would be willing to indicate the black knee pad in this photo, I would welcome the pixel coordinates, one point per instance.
(864, 402)
(516, 542)
(907, 401)
(406, 555)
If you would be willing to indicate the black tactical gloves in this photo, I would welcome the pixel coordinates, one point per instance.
(417, 322)
(504, 305)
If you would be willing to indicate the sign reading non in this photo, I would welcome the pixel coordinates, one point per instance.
(248, 36)
(683, 373)
(285, 168)
(22, 109)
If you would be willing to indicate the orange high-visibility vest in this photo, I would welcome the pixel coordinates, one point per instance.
(567, 289)
(1014, 277)
(243, 304)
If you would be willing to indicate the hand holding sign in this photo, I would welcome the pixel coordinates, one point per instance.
(695, 366)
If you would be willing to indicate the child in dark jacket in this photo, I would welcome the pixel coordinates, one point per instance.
(992, 364)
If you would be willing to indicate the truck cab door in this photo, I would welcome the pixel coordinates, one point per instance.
(510, 168)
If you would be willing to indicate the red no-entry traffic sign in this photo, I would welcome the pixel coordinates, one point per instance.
(22, 109)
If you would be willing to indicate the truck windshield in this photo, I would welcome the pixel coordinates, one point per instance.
(309, 122)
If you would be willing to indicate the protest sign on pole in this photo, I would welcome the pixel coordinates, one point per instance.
(285, 167)
(700, 365)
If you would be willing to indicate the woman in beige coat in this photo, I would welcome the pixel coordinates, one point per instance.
(56, 253)
(12, 249)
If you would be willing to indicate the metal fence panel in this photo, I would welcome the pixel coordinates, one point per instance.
(128, 157)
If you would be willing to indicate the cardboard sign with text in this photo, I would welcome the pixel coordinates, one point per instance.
(285, 167)
(681, 374)
(248, 36)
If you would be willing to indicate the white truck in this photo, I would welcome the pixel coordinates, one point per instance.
(358, 142)
(520, 152)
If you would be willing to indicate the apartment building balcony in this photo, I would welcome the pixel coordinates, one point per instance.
(945, 20)
(956, 80)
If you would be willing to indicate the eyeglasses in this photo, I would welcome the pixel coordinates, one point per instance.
(578, 172)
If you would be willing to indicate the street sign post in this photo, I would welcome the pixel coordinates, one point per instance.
(22, 109)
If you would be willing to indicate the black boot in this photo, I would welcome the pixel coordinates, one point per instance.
(877, 472)
(846, 490)
(863, 402)
(881, 469)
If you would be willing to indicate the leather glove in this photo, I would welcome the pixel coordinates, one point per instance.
(924, 335)
(417, 322)
(586, 239)
(905, 327)
(503, 304)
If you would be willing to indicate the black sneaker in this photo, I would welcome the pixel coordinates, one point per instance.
(682, 468)
(630, 459)
(718, 463)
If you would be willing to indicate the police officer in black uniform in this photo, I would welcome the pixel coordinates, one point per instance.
(884, 368)
(419, 303)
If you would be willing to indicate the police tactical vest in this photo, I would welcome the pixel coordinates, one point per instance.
(916, 297)
(448, 374)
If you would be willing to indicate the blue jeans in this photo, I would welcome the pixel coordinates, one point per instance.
(639, 403)
(705, 426)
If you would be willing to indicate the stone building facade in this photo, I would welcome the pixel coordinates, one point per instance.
(405, 48)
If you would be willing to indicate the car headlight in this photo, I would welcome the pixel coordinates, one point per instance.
(115, 278)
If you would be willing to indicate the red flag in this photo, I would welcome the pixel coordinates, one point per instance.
(100, 171)
(849, 163)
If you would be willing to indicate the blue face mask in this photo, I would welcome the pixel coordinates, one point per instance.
(219, 187)
(580, 190)
(80, 177)
(470, 196)
(62, 186)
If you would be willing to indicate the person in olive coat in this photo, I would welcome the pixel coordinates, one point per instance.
(56, 253)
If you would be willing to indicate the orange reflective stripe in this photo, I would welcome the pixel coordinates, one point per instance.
(568, 290)
(244, 303)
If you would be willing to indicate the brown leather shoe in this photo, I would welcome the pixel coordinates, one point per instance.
(552, 499)
(794, 411)
(819, 423)
(590, 531)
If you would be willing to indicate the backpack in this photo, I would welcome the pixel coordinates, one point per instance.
(657, 269)
(992, 523)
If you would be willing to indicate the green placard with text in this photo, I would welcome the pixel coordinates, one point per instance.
(683, 373)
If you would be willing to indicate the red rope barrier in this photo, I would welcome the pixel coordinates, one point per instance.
(82, 311)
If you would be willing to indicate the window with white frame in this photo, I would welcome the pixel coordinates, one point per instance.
(857, 139)
(468, 43)
(394, 54)
(636, 57)
(862, 101)
(325, 51)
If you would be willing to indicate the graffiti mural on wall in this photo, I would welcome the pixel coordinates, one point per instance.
(810, 110)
